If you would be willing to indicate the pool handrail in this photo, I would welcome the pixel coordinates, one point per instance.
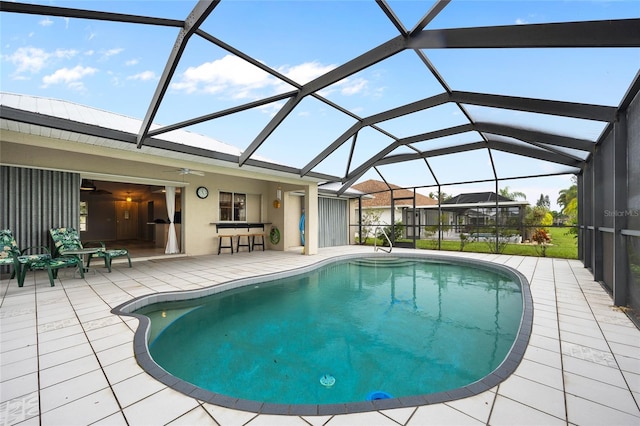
(375, 240)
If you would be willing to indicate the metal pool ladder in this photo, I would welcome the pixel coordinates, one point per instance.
(375, 241)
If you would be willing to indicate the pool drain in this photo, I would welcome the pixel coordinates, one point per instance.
(327, 380)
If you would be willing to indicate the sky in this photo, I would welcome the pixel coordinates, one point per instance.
(116, 67)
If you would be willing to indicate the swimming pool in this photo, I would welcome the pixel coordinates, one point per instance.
(335, 338)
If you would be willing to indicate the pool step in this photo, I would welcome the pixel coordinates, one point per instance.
(383, 261)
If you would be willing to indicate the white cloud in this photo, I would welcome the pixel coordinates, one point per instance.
(227, 74)
(237, 79)
(76, 86)
(111, 52)
(379, 91)
(131, 62)
(306, 72)
(520, 21)
(65, 53)
(144, 76)
(309, 71)
(272, 108)
(28, 59)
(350, 87)
(33, 60)
(69, 76)
(46, 22)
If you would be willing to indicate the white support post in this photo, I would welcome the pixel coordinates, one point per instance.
(311, 220)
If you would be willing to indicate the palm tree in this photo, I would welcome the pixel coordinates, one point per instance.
(512, 195)
(566, 197)
(443, 196)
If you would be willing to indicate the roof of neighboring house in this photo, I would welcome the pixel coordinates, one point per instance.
(478, 200)
(475, 197)
(382, 195)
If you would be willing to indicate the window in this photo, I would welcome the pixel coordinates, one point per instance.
(84, 214)
(233, 207)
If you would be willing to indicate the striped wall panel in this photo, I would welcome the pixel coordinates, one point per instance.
(32, 201)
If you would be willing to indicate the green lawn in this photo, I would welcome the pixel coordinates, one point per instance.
(563, 245)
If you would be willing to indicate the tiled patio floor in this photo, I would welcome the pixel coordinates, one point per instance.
(66, 360)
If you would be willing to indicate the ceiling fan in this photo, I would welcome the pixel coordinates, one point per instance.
(89, 187)
(186, 171)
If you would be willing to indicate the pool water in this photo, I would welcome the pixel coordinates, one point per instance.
(394, 327)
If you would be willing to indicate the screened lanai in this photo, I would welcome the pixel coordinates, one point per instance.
(429, 96)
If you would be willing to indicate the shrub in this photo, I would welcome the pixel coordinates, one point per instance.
(398, 229)
(369, 220)
(430, 232)
(463, 240)
(543, 239)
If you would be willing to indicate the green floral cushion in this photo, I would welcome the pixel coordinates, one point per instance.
(65, 239)
(63, 261)
(8, 246)
(56, 263)
(11, 254)
(6, 258)
(33, 258)
(117, 252)
(69, 239)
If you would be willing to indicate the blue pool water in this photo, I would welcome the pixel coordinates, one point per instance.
(394, 327)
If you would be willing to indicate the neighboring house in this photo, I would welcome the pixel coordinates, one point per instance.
(393, 204)
(472, 213)
(469, 213)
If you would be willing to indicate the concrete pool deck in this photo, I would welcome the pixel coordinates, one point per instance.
(65, 359)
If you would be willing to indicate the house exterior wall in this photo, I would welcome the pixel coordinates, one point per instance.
(199, 236)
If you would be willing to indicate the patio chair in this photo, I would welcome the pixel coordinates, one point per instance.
(25, 260)
(68, 240)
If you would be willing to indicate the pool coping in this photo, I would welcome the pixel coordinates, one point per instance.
(146, 362)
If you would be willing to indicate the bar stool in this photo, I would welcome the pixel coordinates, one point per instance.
(221, 243)
(247, 245)
(260, 243)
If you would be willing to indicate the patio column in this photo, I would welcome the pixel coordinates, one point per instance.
(311, 219)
